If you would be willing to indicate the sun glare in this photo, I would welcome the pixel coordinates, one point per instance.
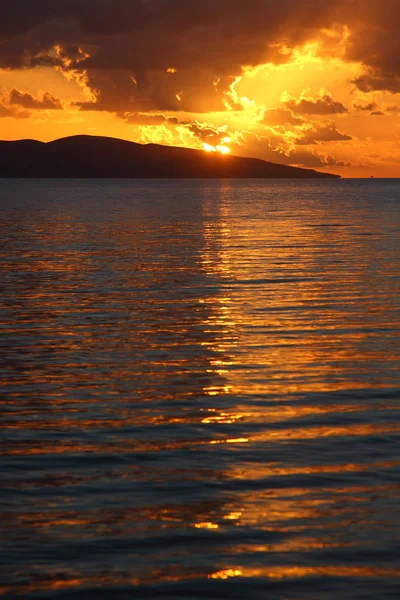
(220, 149)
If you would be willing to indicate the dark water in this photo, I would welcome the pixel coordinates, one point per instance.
(200, 389)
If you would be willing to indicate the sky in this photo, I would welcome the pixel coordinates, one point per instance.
(309, 83)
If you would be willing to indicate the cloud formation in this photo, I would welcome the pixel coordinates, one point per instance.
(192, 73)
(375, 81)
(4, 112)
(366, 107)
(325, 132)
(148, 119)
(25, 100)
(277, 150)
(9, 112)
(325, 105)
(281, 116)
(207, 42)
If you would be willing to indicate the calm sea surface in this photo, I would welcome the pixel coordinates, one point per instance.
(199, 387)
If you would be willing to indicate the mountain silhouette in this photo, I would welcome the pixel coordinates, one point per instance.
(92, 156)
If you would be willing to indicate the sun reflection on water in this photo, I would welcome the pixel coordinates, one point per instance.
(204, 391)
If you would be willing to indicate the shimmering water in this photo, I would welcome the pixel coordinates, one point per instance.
(200, 389)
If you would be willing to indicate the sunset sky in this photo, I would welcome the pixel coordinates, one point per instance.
(311, 83)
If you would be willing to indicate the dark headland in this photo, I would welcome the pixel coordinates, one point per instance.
(89, 156)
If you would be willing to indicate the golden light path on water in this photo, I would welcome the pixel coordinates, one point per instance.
(200, 390)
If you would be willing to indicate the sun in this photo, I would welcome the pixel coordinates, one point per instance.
(220, 149)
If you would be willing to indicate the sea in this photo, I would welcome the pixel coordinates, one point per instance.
(200, 385)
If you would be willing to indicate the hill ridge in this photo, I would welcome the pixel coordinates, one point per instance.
(87, 156)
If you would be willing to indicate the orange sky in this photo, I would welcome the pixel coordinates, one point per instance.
(316, 102)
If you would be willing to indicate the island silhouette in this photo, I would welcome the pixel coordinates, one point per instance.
(94, 157)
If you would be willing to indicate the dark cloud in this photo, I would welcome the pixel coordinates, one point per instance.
(117, 41)
(48, 101)
(372, 108)
(367, 107)
(155, 34)
(374, 82)
(5, 112)
(92, 16)
(113, 41)
(10, 112)
(105, 17)
(206, 133)
(303, 158)
(375, 42)
(121, 90)
(281, 116)
(146, 119)
(325, 105)
(322, 133)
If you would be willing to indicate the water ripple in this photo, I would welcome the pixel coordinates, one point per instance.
(200, 389)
